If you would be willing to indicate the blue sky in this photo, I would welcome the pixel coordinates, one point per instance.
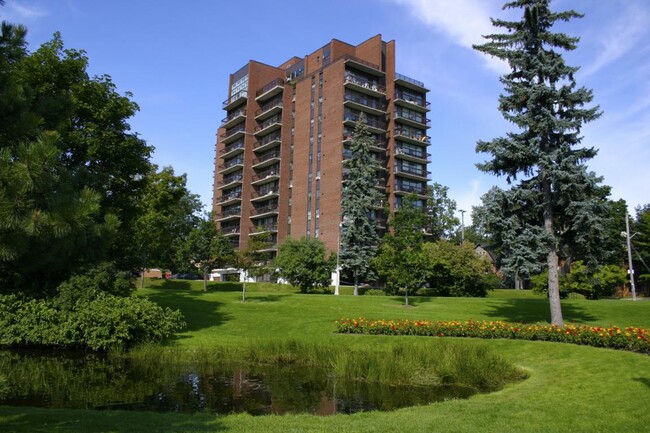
(175, 57)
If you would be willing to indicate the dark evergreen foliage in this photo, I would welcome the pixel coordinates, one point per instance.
(361, 200)
(556, 201)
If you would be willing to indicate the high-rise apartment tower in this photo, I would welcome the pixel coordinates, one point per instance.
(280, 148)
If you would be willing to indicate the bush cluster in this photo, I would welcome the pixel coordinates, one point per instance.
(104, 322)
(631, 338)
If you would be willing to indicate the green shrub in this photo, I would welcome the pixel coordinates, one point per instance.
(99, 324)
(374, 292)
(104, 278)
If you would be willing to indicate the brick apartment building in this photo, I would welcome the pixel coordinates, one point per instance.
(279, 151)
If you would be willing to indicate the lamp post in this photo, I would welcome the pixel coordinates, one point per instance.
(462, 225)
(629, 254)
(338, 261)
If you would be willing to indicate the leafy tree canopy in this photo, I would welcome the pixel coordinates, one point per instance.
(304, 263)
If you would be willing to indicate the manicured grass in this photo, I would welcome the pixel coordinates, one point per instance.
(570, 388)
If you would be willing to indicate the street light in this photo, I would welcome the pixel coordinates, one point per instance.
(626, 235)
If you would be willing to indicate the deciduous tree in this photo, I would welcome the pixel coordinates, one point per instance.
(304, 263)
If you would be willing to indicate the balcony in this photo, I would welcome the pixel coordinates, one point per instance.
(414, 155)
(231, 166)
(412, 172)
(266, 176)
(264, 211)
(409, 101)
(374, 126)
(409, 189)
(268, 126)
(264, 228)
(230, 231)
(259, 196)
(410, 83)
(229, 214)
(362, 65)
(411, 119)
(230, 198)
(269, 90)
(234, 118)
(269, 109)
(361, 103)
(266, 159)
(379, 157)
(235, 100)
(412, 136)
(231, 180)
(232, 149)
(362, 85)
(268, 142)
(233, 134)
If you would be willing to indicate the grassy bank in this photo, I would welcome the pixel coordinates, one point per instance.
(570, 388)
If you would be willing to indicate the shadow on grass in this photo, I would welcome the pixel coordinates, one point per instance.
(643, 380)
(534, 310)
(15, 419)
(199, 312)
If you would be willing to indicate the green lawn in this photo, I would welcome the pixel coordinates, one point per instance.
(570, 388)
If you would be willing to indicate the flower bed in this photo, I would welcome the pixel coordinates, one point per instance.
(633, 339)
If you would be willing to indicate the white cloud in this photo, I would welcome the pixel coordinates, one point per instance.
(21, 11)
(621, 37)
(463, 21)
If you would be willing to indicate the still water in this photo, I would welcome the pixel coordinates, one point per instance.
(65, 380)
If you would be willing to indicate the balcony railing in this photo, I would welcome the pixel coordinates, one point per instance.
(232, 132)
(374, 123)
(409, 80)
(412, 170)
(264, 209)
(234, 146)
(228, 119)
(413, 135)
(231, 163)
(231, 179)
(278, 82)
(262, 228)
(266, 173)
(267, 140)
(411, 100)
(229, 197)
(412, 152)
(270, 193)
(230, 212)
(266, 157)
(410, 188)
(367, 102)
(365, 84)
(416, 118)
(239, 95)
(229, 231)
(269, 106)
(349, 57)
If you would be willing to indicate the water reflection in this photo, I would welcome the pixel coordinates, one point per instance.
(64, 380)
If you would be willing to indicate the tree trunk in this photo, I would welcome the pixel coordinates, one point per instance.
(406, 298)
(205, 279)
(142, 278)
(356, 285)
(243, 293)
(551, 258)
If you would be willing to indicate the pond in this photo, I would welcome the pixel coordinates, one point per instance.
(93, 381)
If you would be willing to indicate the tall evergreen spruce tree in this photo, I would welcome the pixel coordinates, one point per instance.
(542, 100)
(359, 237)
